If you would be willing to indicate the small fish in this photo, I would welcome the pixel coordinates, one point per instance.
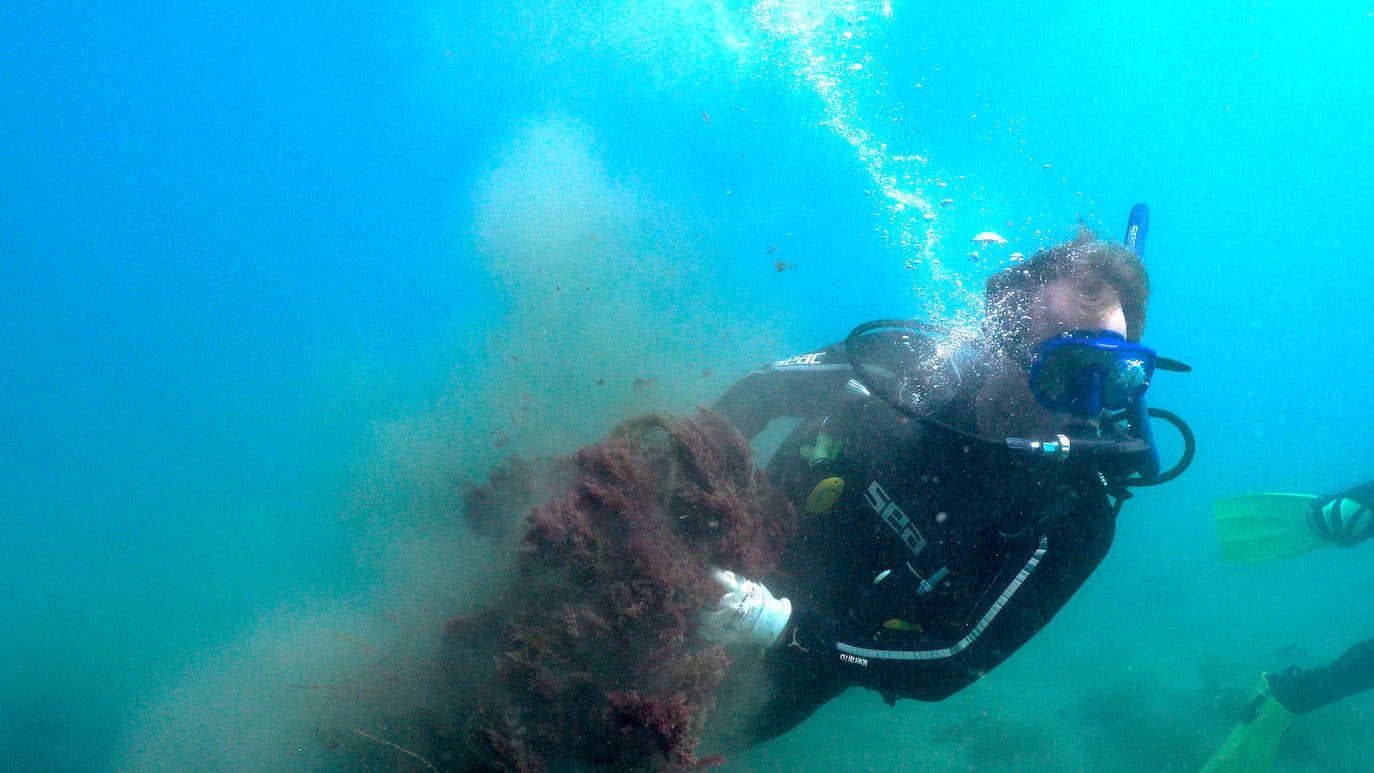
(705, 117)
(772, 248)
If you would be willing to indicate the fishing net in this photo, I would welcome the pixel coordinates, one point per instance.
(587, 656)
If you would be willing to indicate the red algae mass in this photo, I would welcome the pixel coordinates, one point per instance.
(587, 655)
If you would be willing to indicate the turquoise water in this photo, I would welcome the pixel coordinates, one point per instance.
(277, 279)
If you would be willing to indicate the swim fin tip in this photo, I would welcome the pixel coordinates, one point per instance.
(1254, 742)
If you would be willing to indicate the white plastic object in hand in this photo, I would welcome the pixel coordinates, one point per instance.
(747, 613)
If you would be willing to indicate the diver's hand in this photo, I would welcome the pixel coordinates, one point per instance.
(747, 613)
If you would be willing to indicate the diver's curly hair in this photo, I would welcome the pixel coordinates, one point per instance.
(1095, 265)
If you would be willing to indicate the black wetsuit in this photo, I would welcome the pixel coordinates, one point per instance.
(1301, 690)
(942, 556)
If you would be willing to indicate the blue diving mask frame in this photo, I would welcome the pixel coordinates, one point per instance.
(1085, 372)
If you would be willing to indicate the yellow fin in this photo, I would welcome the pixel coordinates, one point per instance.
(1263, 527)
(1253, 742)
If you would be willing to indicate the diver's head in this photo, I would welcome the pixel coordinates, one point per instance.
(1083, 289)
(1083, 284)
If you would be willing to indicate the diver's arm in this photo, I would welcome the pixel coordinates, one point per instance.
(1346, 518)
(798, 386)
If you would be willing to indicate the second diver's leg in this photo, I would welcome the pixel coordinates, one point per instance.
(1302, 690)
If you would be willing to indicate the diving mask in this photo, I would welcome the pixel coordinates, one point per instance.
(1087, 371)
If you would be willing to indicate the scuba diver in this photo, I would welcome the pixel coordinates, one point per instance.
(1262, 527)
(954, 491)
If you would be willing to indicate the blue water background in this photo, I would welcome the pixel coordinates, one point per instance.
(276, 278)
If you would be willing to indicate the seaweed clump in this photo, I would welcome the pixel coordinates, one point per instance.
(588, 657)
(498, 510)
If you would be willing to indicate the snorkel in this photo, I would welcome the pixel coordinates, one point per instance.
(1137, 413)
(1118, 436)
(1136, 417)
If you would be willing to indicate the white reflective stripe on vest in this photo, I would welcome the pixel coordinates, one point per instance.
(963, 643)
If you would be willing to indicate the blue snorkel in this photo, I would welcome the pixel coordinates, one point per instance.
(1137, 228)
(1137, 414)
